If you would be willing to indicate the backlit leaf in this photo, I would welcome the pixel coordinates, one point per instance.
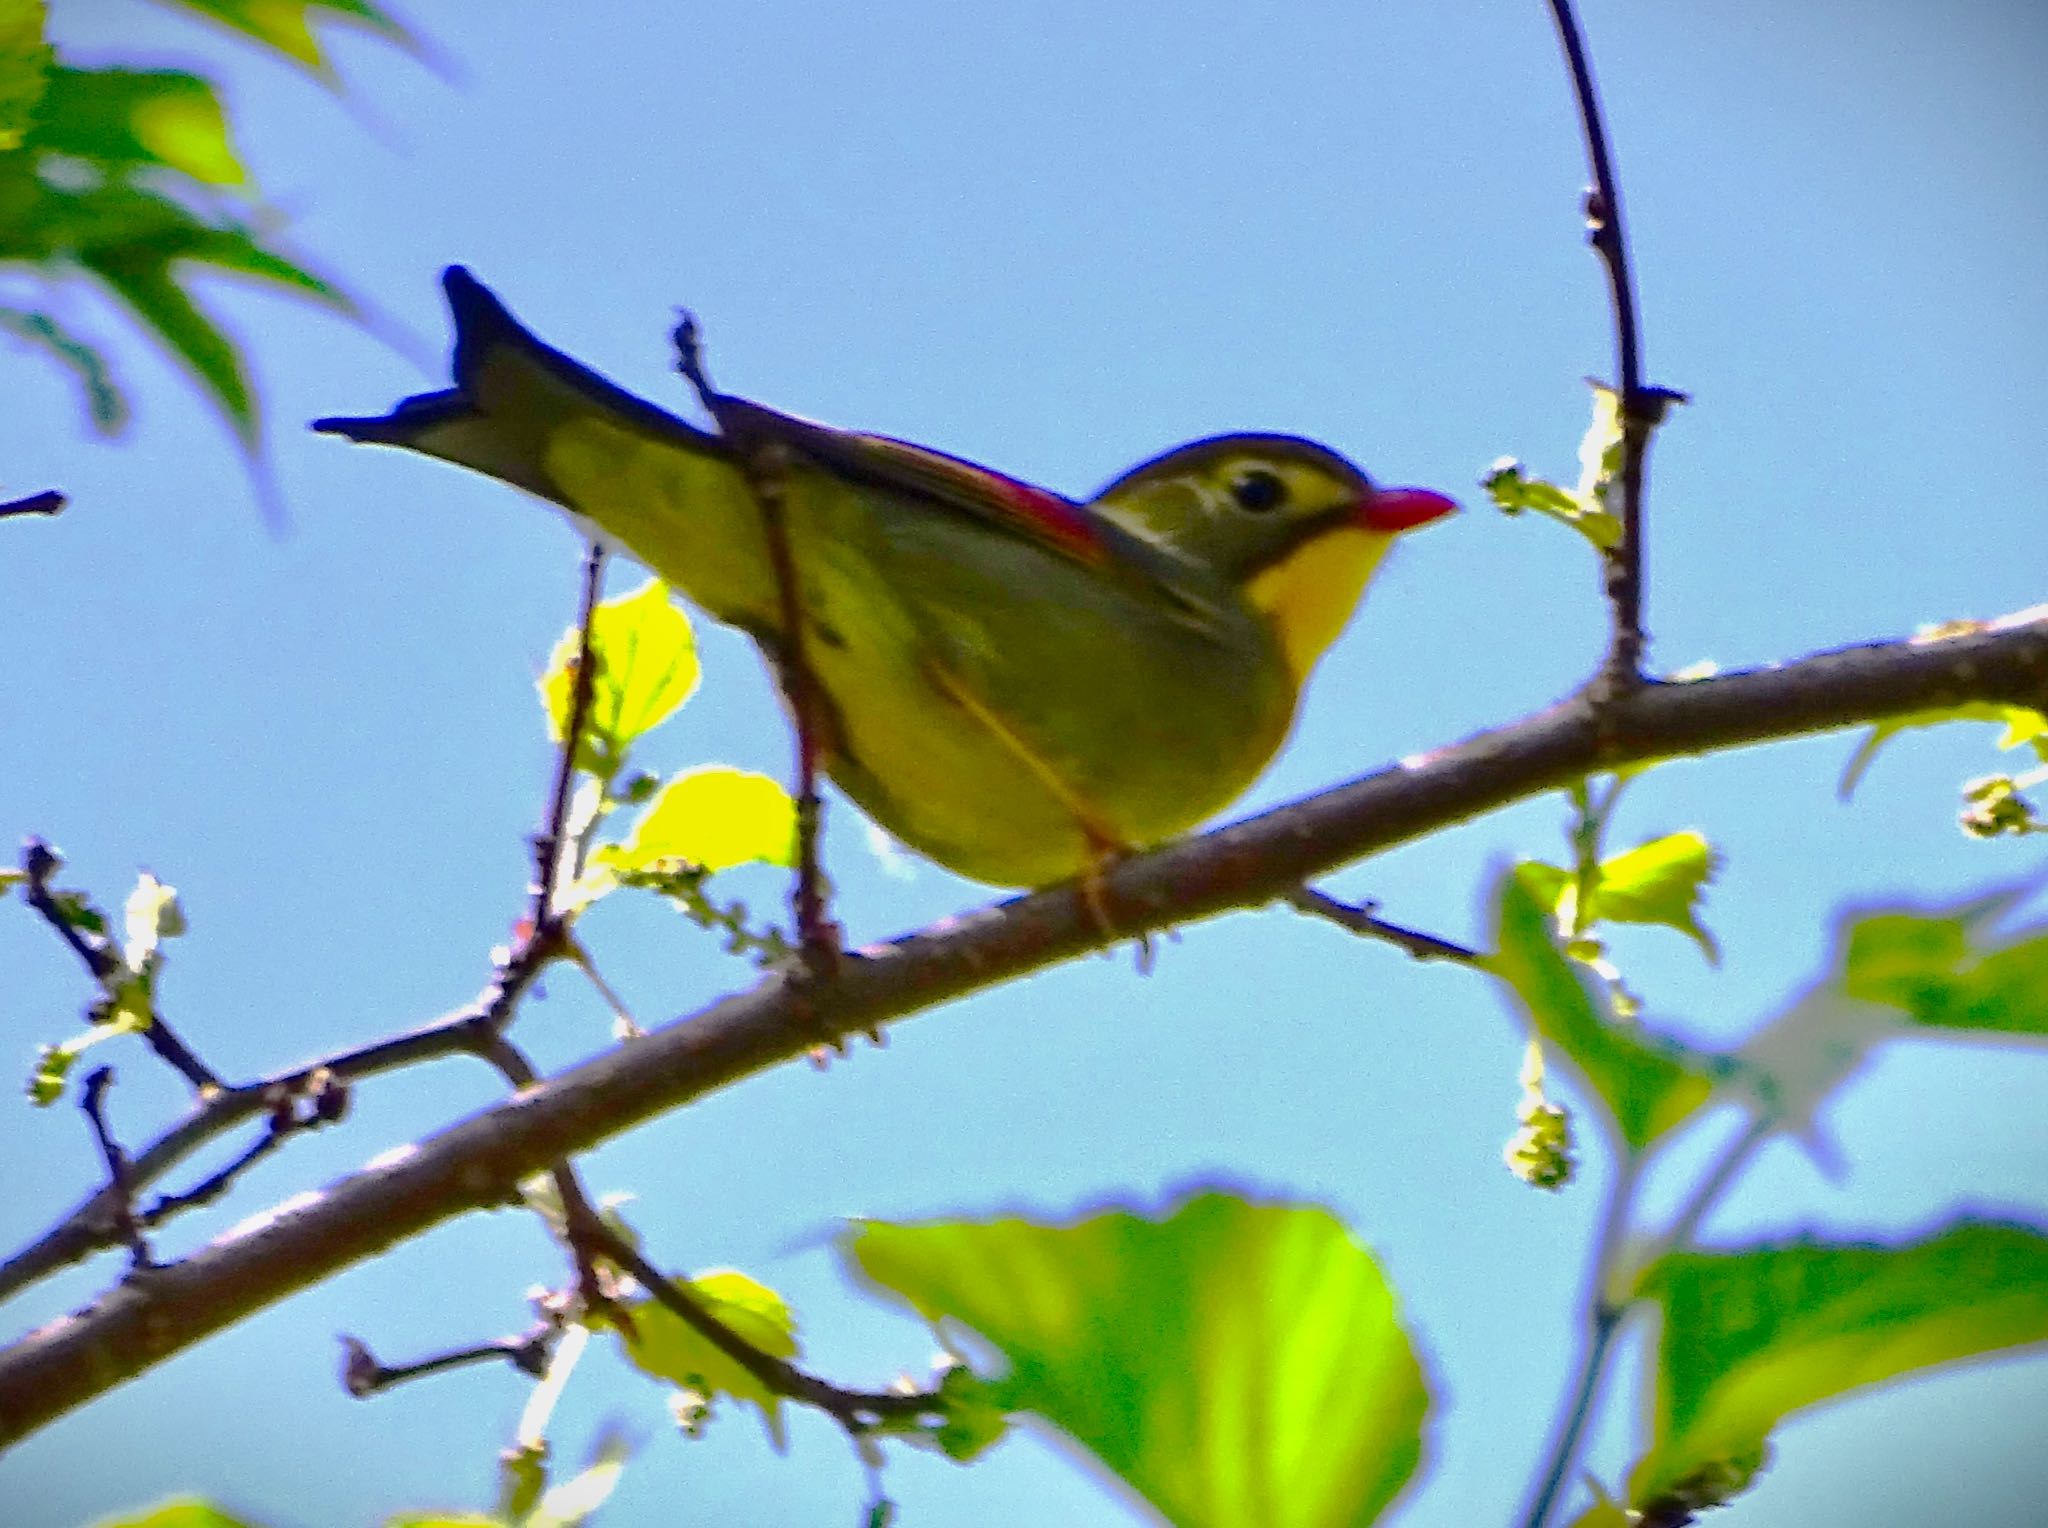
(1752, 1335)
(713, 818)
(646, 667)
(1233, 1363)
(669, 1348)
(1646, 1084)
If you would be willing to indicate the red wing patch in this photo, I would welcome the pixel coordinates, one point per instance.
(1035, 512)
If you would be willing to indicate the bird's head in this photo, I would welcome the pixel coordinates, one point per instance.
(1294, 525)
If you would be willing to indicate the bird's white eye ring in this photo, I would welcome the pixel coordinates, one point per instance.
(1259, 489)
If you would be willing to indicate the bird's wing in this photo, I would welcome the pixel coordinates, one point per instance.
(918, 473)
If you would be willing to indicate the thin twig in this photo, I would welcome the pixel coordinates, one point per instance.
(94, 1103)
(48, 502)
(1641, 408)
(578, 1213)
(591, 1239)
(1605, 1314)
(320, 1099)
(855, 1410)
(764, 463)
(92, 1225)
(362, 1375)
(550, 845)
(1363, 919)
(1685, 1224)
(39, 862)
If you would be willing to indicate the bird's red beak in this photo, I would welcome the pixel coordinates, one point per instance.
(1388, 510)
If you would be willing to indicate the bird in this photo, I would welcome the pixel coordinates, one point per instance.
(1019, 685)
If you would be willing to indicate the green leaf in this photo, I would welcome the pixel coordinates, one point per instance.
(1514, 492)
(974, 1418)
(125, 119)
(1947, 970)
(711, 818)
(104, 401)
(664, 1345)
(1659, 882)
(1647, 1085)
(127, 1013)
(77, 911)
(2024, 726)
(142, 279)
(1752, 1335)
(1233, 1363)
(25, 60)
(287, 26)
(646, 667)
(184, 1512)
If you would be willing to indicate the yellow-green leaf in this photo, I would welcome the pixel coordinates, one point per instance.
(122, 119)
(1658, 882)
(139, 274)
(287, 27)
(1948, 970)
(2024, 726)
(1232, 1362)
(184, 1512)
(664, 1345)
(646, 667)
(1752, 1335)
(713, 818)
(24, 68)
(1646, 1084)
(1661, 881)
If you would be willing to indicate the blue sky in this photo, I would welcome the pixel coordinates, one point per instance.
(1057, 237)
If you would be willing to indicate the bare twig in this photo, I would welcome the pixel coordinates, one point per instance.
(1364, 919)
(592, 1241)
(363, 1376)
(48, 502)
(854, 1410)
(478, 1162)
(92, 1225)
(1641, 407)
(94, 1102)
(39, 862)
(581, 1221)
(765, 464)
(319, 1099)
(550, 845)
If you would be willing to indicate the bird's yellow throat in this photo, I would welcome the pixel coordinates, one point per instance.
(1309, 594)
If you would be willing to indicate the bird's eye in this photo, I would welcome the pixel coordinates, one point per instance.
(1259, 490)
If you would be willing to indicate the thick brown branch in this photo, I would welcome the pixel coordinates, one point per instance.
(477, 1163)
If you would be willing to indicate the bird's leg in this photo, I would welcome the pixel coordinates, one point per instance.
(1102, 848)
(1103, 854)
(765, 465)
